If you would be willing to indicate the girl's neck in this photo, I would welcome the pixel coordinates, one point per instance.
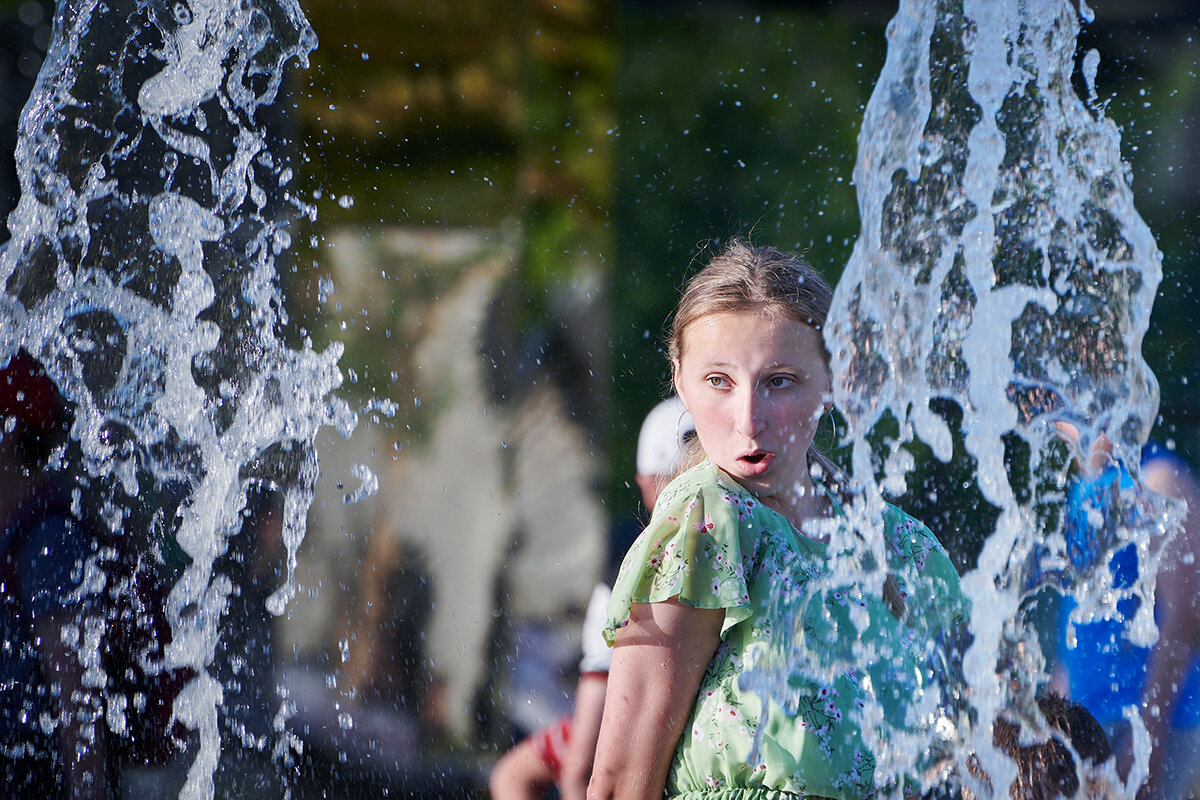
(804, 503)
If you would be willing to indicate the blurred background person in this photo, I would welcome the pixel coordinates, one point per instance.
(1097, 664)
(55, 741)
(1171, 694)
(561, 754)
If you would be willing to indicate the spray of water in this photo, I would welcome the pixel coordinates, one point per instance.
(1002, 266)
(142, 273)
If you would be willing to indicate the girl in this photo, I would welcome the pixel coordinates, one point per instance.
(691, 610)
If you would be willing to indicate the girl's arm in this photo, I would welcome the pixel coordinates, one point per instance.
(658, 661)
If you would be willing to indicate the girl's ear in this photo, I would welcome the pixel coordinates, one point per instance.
(675, 381)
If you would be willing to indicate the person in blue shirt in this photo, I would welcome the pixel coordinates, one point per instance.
(1171, 692)
(1102, 669)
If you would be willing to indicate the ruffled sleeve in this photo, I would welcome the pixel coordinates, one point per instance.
(927, 577)
(695, 549)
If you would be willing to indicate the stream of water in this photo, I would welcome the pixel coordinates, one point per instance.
(1001, 266)
(142, 273)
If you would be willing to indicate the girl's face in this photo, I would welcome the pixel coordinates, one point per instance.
(756, 386)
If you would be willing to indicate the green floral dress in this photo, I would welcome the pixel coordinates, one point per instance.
(713, 545)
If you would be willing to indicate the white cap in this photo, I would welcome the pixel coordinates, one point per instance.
(660, 443)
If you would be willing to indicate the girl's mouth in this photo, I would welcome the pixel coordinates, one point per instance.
(756, 463)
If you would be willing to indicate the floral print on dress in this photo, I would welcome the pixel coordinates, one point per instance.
(711, 544)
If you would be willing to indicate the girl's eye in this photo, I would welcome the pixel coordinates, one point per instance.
(715, 381)
(780, 381)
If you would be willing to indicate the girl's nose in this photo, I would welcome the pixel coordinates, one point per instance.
(749, 422)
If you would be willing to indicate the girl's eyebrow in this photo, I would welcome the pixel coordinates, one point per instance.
(779, 365)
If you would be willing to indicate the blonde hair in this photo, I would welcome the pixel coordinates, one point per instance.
(744, 277)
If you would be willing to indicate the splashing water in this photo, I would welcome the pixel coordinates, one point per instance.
(142, 274)
(1001, 265)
